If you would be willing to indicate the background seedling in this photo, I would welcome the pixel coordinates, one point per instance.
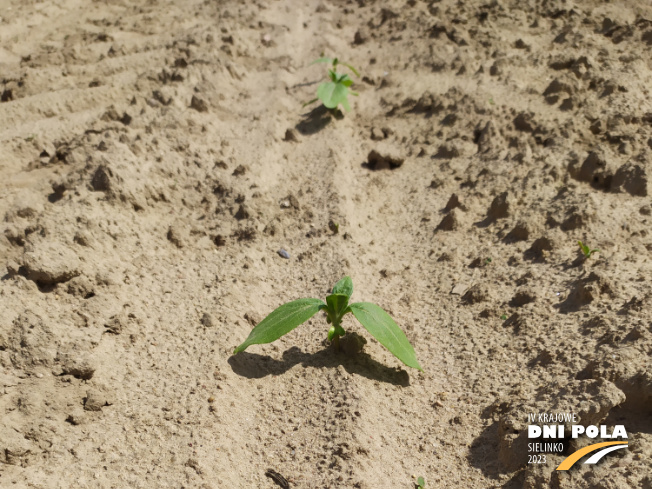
(336, 91)
(375, 320)
(587, 251)
(421, 483)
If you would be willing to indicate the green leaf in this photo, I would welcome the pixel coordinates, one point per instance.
(343, 78)
(281, 321)
(421, 482)
(332, 94)
(386, 331)
(310, 102)
(351, 68)
(336, 304)
(345, 101)
(344, 286)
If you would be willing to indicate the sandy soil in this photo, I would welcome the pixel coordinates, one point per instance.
(155, 157)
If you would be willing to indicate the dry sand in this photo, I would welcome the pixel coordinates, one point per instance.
(155, 157)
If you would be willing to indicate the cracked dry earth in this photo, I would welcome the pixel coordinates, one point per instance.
(155, 158)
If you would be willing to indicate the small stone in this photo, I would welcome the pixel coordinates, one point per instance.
(198, 104)
(556, 86)
(520, 232)
(460, 289)
(178, 234)
(497, 68)
(239, 170)
(595, 169)
(82, 238)
(377, 134)
(13, 268)
(291, 136)
(499, 207)
(361, 36)
(101, 181)
(283, 254)
(630, 178)
(435, 183)
(15, 235)
(242, 213)
(587, 290)
(125, 119)
(523, 122)
(541, 244)
(572, 222)
(521, 298)
(80, 368)
(110, 115)
(267, 40)
(95, 400)
(388, 160)
(448, 223)
(51, 264)
(76, 418)
(291, 201)
(207, 320)
(447, 151)
(489, 138)
(162, 97)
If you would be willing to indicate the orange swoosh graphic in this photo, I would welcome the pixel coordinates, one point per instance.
(570, 460)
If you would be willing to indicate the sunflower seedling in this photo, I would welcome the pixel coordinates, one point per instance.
(375, 320)
(335, 92)
(586, 250)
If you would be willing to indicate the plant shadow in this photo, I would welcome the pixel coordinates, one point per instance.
(254, 366)
(314, 121)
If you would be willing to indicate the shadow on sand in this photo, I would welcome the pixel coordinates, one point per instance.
(254, 366)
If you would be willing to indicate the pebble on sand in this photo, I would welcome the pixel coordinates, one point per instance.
(283, 254)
